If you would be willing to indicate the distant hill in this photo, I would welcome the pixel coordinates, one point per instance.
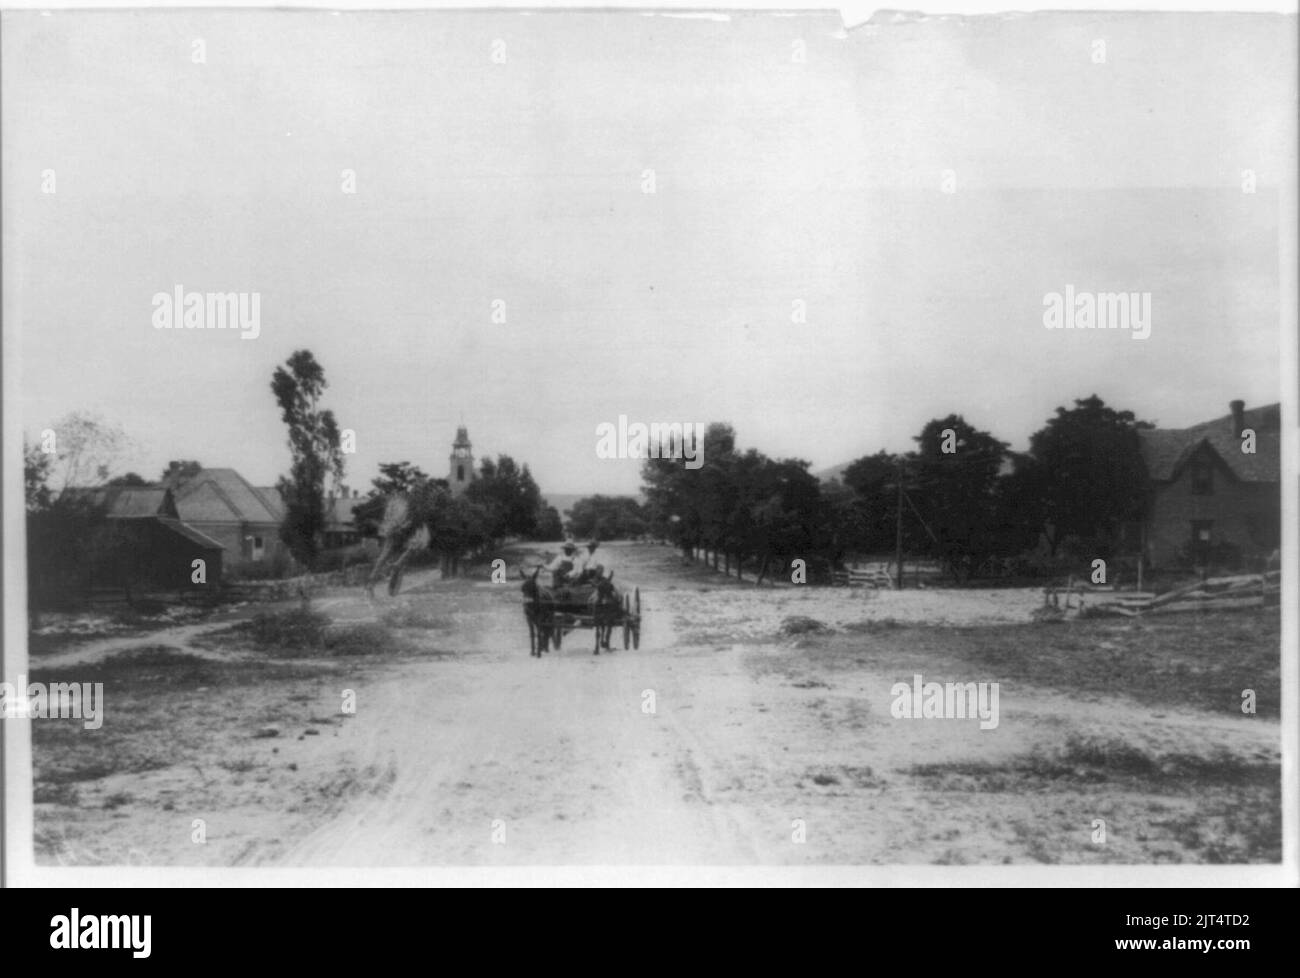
(834, 472)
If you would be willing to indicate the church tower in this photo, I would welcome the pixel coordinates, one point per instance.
(462, 472)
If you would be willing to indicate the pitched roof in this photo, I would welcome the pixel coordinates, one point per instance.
(272, 495)
(1166, 450)
(342, 512)
(191, 534)
(123, 502)
(225, 496)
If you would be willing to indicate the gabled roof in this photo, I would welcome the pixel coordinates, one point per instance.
(225, 496)
(123, 502)
(1167, 450)
(189, 533)
(340, 512)
(272, 495)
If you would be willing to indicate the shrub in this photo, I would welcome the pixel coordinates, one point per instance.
(803, 625)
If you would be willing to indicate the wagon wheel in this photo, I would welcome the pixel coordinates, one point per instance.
(532, 638)
(627, 627)
(636, 618)
(557, 633)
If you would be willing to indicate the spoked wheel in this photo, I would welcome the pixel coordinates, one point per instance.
(556, 634)
(627, 627)
(532, 638)
(636, 618)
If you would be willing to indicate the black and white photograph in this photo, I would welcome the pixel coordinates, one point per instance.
(582, 444)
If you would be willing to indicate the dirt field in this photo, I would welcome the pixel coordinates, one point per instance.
(739, 733)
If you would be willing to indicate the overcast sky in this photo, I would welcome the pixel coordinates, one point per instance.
(776, 180)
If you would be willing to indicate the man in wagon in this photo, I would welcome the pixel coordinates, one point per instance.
(586, 566)
(563, 564)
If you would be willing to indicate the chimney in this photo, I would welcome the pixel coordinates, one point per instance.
(1238, 416)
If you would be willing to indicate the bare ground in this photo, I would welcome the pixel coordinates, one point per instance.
(722, 740)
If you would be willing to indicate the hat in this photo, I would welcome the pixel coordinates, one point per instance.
(570, 545)
(593, 544)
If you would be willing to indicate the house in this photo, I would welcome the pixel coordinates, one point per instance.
(244, 519)
(341, 528)
(145, 544)
(1210, 500)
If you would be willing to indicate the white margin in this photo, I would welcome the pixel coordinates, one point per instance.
(21, 869)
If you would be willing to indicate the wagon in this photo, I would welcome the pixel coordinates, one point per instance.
(553, 612)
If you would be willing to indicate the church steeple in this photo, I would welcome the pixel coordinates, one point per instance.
(461, 472)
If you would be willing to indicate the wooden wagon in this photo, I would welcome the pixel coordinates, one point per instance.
(554, 611)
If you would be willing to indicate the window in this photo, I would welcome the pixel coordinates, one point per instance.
(257, 548)
(1202, 476)
(460, 473)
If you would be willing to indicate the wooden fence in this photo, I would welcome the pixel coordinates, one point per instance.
(883, 574)
(1231, 592)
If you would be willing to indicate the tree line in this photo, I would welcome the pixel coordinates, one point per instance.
(503, 501)
(960, 497)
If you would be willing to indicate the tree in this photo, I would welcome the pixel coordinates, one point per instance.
(952, 480)
(395, 478)
(131, 479)
(1083, 476)
(739, 506)
(67, 535)
(549, 525)
(607, 518)
(508, 496)
(179, 472)
(315, 452)
(682, 503)
(37, 466)
(872, 516)
(82, 452)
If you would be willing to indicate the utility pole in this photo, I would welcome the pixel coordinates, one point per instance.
(898, 527)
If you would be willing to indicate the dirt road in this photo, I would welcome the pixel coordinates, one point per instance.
(720, 741)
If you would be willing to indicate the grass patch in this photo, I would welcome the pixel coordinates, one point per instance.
(56, 794)
(1092, 759)
(1202, 661)
(304, 632)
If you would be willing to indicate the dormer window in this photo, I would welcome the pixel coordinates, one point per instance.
(1202, 476)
